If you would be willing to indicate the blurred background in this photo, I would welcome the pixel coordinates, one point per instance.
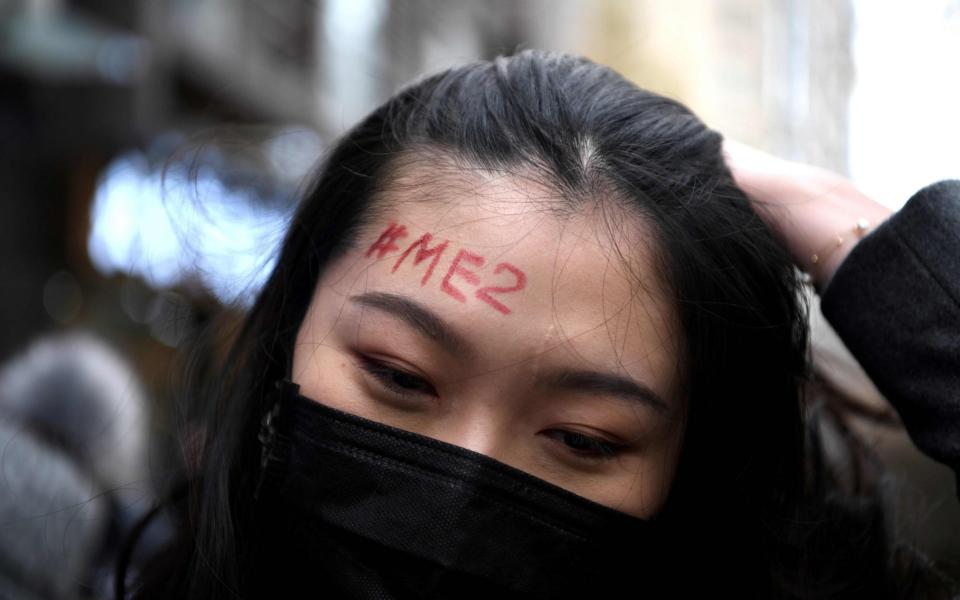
(151, 152)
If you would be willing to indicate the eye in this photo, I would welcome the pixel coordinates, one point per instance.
(404, 385)
(585, 447)
(399, 382)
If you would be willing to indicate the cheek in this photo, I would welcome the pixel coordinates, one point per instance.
(323, 373)
(662, 463)
(641, 487)
(321, 368)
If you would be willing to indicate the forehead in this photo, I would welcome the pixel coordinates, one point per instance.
(494, 258)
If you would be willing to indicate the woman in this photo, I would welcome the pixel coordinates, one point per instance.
(526, 338)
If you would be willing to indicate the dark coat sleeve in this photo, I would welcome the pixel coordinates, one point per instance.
(895, 302)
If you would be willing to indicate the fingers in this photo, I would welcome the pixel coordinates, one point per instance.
(809, 207)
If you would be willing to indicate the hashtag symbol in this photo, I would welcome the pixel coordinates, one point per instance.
(385, 243)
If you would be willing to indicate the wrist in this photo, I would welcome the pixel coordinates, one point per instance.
(825, 263)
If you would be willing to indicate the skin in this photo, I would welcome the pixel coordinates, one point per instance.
(580, 308)
(807, 205)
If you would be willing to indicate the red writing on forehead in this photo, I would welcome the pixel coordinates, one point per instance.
(423, 252)
(459, 275)
(456, 269)
(385, 243)
(520, 281)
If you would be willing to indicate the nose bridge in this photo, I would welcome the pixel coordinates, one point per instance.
(483, 427)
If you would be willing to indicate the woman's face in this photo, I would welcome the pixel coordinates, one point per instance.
(469, 314)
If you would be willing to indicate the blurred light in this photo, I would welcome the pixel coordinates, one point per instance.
(174, 227)
(121, 58)
(353, 20)
(903, 109)
(350, 56)
(293, 152)
(62, 297)
(137, 301)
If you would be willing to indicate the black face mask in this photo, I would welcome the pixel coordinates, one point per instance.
(352, 508)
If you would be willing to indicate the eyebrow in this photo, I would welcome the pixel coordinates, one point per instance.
(432, 326)
(595, 382)
(418, 317)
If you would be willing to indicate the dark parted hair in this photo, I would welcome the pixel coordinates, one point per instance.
(747, 510)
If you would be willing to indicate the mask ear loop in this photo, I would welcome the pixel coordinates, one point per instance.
(267, 435)
(272, 448)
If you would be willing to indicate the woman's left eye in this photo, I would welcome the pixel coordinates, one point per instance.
(397, 381)
(584, 446)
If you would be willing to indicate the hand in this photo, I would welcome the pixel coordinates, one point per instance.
(807, 206)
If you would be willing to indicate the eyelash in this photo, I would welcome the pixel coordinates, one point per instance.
(585, 447)
(598, 450)
(386, 376)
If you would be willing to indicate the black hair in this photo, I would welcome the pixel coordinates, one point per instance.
(746, 508)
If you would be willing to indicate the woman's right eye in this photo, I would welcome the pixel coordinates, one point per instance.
(399, 382)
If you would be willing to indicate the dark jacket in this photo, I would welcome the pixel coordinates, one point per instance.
(895, 302)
